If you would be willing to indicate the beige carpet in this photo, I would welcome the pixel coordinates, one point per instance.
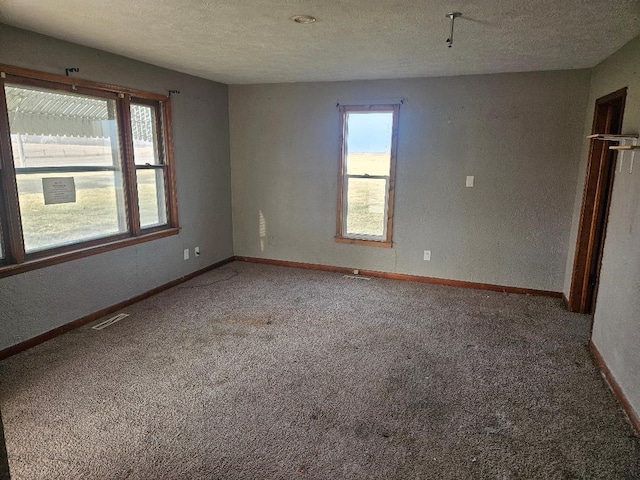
(261, 372)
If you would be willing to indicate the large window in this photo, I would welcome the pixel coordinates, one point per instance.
(366, 179)
(83, 166)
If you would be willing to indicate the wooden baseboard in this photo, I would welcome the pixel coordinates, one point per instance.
(32, 342)
(615, 388)
(402, 276)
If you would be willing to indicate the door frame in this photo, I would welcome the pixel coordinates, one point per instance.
(596, 200)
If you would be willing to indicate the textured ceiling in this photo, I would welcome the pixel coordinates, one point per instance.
(252, 41)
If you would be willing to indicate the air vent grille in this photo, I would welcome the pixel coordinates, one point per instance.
(110, 321)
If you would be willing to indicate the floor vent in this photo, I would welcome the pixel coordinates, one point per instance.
(110, 321)
(357, 277)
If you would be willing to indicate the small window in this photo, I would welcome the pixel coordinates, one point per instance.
(151, 170)
(367, 169)
(82, 165)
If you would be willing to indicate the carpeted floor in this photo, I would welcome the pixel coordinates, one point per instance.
(4, 461)
(261, 372)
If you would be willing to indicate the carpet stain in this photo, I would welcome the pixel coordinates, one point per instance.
(250, 319)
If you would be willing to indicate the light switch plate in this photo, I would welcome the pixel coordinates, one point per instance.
(469, 180)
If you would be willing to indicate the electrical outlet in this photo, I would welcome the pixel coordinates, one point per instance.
(186, 254)
(427, 255)
(196, 251)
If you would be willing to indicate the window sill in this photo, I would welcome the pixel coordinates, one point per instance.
(368, 243)
(9, 270)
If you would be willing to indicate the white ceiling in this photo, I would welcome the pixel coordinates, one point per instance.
(252, 41)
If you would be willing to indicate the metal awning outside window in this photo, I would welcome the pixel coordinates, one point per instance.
(38, 112)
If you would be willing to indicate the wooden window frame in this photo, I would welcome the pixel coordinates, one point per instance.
(16, 260)
(162, 118)
(341, 217)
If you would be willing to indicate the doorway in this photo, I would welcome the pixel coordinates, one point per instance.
(596, 201)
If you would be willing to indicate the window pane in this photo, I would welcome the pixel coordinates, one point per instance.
(151, 197)
(366, 204)
(368, 145)
(68, 168)
(94, 213)
(145, 138)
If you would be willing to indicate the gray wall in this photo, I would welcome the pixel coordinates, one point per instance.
(616, 330)
(518, 134)
(40, 300)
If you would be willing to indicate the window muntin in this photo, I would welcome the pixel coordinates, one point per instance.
(75, 138)
(367, 167)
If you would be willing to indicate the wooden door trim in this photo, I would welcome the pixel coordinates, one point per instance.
(592, 197)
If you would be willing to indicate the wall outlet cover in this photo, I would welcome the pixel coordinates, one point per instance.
(186, 254)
